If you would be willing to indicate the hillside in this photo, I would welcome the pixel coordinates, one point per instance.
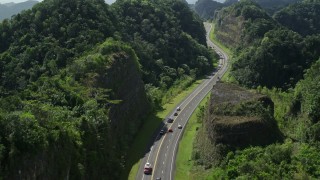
(78, 79)
(9, 9)
(242, 23)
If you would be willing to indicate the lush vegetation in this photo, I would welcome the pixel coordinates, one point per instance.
(267, 54)
(70, 69)
(301, 17)
(298, 119)
(280, 59)
(170, 43)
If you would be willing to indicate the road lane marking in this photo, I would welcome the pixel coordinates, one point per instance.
(179, 137)
(201, 87)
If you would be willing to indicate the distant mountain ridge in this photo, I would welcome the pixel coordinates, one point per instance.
(9, 9)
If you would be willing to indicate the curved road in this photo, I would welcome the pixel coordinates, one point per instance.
(162, 154)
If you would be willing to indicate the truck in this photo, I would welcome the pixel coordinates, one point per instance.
(147, 168)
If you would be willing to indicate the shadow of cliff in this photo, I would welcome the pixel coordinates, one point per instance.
(143, 141)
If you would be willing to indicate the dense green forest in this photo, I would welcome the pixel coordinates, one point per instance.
(79, 77)
(267, 54)
(301, 17)
(281, 60)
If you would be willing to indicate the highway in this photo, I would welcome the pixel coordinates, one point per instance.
(162, 153)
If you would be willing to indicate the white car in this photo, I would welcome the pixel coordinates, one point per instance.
(179, 126)
(178, 108)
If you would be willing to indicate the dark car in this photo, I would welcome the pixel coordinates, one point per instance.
(170, 120)
(170, 130)
(161, 132)
(176, 114)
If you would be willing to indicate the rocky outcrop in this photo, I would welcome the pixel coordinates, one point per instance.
(124, 79)
(229, 27)
(242, 23)
(235, 118)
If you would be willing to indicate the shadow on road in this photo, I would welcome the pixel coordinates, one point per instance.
(143, 141)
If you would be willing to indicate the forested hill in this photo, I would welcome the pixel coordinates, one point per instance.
(78, 78)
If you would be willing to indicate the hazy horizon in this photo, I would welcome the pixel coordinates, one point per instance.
(107, 1)
(15, 1)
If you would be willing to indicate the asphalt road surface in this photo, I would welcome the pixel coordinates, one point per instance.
(162, 153)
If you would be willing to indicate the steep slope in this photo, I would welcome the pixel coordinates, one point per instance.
(10, 9)
(242, 23)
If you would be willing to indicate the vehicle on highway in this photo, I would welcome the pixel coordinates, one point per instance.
(170, 130)
(161, 132)
(158, 178)
(170, 120)
(147, 168)
(179, 126)
(176, 114)
(178, 108)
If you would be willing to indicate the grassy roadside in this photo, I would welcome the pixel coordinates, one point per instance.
(227, 77)
(143, 137)
(184, 164)
(215, 41)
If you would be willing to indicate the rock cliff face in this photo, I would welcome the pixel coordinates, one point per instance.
(235, 118)
(124, 79)
(242, 23)
(116, 70)
(229, 27)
